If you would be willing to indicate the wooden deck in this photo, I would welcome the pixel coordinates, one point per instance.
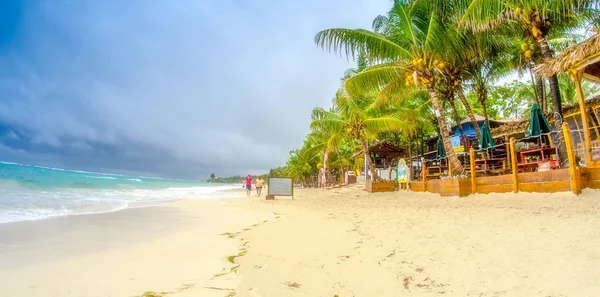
(374, 187)
(544, 182)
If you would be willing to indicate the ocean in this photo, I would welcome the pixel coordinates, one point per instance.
(29, 192)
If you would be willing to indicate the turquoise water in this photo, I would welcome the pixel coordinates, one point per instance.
(29, 192)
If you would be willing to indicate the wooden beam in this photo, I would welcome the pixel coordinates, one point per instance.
(513, 164)
(473, 172)
(571, 156)
(584, 118)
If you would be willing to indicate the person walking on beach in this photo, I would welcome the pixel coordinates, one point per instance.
(248, 185)
(260, 183)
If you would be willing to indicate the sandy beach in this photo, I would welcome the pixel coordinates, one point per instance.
(346, 242)
(341, 241)
(176, 248)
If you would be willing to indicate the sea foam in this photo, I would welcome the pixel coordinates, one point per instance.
(36, 192)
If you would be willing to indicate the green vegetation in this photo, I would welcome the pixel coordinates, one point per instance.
(232, 179)
(427, 64)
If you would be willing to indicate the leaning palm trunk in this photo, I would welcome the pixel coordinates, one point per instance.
(457, 168)
(556, 102)
(363, 144)
(467, 106)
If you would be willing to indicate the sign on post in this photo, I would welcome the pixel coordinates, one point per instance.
(280, 186)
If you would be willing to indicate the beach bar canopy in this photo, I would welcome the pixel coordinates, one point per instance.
(441, 151)
(487, 141)
(537, 122)
(581, 61)
(383, 153)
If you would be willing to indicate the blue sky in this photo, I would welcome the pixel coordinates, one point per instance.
(170, 88)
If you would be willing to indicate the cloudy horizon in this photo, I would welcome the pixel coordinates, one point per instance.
(166, 88)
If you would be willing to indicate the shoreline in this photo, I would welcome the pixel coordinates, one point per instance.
(178, 247)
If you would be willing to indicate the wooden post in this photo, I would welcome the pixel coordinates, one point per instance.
(423, 171)
(473, 173)
(507, 148)
(450, 169)
(584, 118)
(571, 155)
(513, 164)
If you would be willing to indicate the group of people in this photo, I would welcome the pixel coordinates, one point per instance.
(260, 183)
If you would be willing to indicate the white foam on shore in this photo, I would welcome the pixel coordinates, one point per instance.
(22, 204)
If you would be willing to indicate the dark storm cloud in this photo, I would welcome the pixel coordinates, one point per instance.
(172, 88)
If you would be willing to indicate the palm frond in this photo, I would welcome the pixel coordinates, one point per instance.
(352, 42)
(375, 78)
(388, 123)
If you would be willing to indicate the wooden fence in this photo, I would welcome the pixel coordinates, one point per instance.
(559, 180)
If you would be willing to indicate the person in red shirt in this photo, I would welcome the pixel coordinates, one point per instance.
(248, 185)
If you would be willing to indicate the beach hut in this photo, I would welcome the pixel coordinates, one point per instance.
(385, 155)
(581, 61)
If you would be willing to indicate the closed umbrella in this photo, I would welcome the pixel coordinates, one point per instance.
(486, 141)
(441, 151)
(537, 122)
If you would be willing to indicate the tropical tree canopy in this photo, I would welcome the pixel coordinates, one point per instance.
(427, 64)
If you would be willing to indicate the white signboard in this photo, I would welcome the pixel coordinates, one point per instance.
(281, 186)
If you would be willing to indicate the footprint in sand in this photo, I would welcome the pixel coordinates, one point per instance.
(254, 292)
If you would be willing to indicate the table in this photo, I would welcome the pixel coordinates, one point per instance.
(531, 166)
(435, 171)
(545, 154)
(491, 165)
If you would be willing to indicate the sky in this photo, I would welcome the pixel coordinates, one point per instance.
(179, 89)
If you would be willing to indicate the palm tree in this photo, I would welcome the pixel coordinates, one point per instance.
(329, 138)
(406, 48)
(488, 61)
(537, 19)
(357, 118)
(452, 79)
(568, 92)
(302, 163)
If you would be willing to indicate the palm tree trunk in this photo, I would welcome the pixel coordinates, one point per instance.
(541, 93)
(342, 181)
(410, 167)
(457, 168)
(467, 106)
(458, 124)
(363, 144)
(482, 97)
(556, 101)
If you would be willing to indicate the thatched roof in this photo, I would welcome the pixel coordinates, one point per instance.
(385, 149)
(579, 56)
(511, 127)
(523, 124)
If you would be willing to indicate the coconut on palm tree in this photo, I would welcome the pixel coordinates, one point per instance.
(406, 50)
(537, 19)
